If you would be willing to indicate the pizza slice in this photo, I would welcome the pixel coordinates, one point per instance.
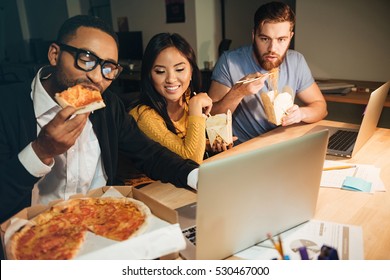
(116, 218)
(128, 218)
(51, 237)
(84, 99)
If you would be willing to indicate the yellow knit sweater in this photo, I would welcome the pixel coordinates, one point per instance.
(189, 143)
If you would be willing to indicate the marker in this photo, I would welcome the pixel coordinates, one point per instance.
(303, 252)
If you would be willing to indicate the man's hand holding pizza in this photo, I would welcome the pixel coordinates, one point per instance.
(59, 134)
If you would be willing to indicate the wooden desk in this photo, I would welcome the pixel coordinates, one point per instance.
(371, 211)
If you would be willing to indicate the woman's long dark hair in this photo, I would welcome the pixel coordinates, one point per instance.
(149, 96)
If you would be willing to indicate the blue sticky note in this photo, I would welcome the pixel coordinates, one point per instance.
(356, 184)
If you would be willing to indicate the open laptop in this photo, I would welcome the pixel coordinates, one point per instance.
(243, 197)
(346, 142)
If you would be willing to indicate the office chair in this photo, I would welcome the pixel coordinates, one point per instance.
(224, 46)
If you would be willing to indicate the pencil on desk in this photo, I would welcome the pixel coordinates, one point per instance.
(281, 246)
(338, 167)
(277, 246)
(355, 172)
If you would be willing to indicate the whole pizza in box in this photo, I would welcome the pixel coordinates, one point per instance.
(60, 232)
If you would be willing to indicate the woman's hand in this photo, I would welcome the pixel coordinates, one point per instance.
(219, 145)
(200, 104)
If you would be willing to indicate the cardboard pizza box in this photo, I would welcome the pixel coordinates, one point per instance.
(165, 221)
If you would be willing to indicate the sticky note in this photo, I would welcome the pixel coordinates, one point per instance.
(356, 184)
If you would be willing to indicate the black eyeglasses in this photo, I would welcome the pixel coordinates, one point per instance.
(87, 61)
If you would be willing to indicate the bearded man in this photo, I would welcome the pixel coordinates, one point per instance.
(271, 36)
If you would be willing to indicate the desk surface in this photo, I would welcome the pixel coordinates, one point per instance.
(371, 211)
(358, 97)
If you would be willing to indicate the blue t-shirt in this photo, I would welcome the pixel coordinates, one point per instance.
(249, 118)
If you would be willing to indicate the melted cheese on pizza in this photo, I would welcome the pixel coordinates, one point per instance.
(80, 96)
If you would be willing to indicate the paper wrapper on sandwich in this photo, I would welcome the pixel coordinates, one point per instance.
(220, 127)
(276, 105)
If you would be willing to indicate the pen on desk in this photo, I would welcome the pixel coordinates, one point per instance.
(338, 167)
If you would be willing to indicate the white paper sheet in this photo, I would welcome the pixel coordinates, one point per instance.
(335, 178)
(346, 239)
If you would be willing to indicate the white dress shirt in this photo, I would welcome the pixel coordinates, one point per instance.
(76, 171)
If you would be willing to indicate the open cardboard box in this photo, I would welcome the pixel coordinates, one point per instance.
(220, 126)
(159, 210)
(276, 105)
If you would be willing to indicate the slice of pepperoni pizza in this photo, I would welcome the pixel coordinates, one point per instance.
(114, 218)
(51, 237)
(84, 99)
(123, 218)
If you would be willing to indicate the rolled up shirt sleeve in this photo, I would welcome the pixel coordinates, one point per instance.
(32, 163)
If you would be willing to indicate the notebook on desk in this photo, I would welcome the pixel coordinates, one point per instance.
(243, 197)
(346, 142)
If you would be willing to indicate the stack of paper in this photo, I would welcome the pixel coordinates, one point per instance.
(358, 177)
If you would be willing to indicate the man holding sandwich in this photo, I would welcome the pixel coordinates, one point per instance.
(48, 152)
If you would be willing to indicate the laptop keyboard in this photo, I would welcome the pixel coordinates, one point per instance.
(190, 234)
(342, 140)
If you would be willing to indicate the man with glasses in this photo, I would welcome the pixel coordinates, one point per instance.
(47, 152)
(87, 61)
(271, 36)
